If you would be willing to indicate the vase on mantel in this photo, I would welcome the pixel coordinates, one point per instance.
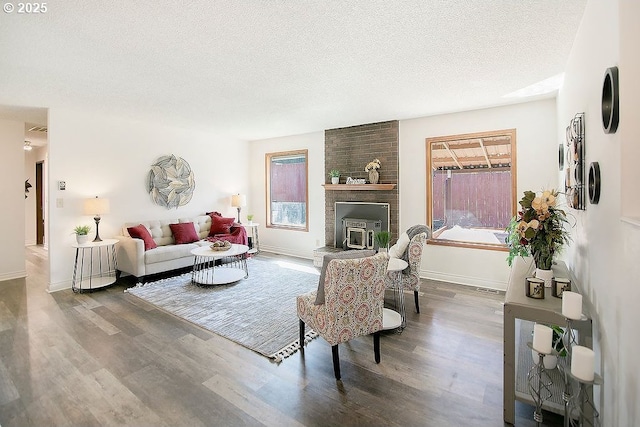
(373, 176)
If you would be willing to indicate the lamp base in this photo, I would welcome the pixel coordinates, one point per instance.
(239, 222)
(97, 220)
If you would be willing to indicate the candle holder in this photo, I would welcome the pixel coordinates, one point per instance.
(539, 384)
(559, 285)
(582, 410)
(534, 288)
(569, 339)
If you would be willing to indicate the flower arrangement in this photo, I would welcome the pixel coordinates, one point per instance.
(374, 164)
(538, 229)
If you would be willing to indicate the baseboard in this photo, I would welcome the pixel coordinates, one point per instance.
(285, 251)
(463, 280)
(13, 275)
(60, 286)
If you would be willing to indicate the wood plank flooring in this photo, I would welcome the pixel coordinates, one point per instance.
(105, 358)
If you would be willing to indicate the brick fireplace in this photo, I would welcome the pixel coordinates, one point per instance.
(349, 150)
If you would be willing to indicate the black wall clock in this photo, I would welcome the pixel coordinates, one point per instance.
(610, 101)
(594, 183)
(560, 156)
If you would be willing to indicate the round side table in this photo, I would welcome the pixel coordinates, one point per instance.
(397, 265)
(255, 242)
(95, 265)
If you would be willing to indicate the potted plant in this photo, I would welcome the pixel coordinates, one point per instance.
(250, 218)
(335, 176)
(538, 231)
(82, 233)
(382, 239)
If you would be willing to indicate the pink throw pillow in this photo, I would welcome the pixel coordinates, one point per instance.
(141, 232)
(220, 225)
(184, 233)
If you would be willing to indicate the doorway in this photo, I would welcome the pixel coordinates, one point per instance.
(39, 204)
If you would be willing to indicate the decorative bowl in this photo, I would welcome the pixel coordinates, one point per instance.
(220, 245)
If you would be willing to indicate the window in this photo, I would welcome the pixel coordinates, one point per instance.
(287, 200)
(471, 188)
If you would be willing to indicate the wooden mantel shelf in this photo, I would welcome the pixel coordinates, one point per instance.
(356, 187)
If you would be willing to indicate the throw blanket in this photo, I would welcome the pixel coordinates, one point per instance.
(237, 235)
(412, 232)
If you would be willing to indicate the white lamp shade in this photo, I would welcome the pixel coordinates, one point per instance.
(238, 200)
(96, 206)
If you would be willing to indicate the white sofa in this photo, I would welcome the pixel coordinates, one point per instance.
(134, 260)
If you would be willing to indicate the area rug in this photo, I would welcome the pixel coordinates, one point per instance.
(258, 312)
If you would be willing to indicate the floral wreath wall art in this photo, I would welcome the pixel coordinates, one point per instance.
(171, 182)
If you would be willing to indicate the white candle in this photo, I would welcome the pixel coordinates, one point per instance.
(542, 336)
(572, 305)
(582, 363)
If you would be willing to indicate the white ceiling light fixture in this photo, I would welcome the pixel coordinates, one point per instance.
(543, 87)
(27, 146)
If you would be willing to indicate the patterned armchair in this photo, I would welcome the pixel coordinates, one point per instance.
(353, 303)
(410, 276)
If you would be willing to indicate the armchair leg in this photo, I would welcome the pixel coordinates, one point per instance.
(376, 346)
(336, 361)
(301, 335)
(415, 298)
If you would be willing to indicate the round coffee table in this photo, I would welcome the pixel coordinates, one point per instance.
(233, 266)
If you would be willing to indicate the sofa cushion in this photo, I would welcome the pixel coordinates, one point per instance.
(141, 232)
(202, 224)
(220, 225)
(184, 233)
(351, 254)
(169, 253)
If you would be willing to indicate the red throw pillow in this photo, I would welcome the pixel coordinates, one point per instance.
(220, 225)
(184, 233)
(141, 232)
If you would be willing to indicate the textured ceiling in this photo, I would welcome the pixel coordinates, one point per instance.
(256, 69)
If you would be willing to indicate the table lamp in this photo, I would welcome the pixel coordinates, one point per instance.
(96, 206)
(238, 201)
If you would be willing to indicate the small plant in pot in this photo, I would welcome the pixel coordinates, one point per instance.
(250, 218)
(335, 176)
(382, 239)
(82, 233)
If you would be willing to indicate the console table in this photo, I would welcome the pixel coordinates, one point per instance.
(548, 310)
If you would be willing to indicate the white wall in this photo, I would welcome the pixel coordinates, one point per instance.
(12, 176)
(110, 157)
(289, 242)
(537, 169)
(605, 254)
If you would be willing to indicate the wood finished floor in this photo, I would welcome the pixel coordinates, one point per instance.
(105, 358)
